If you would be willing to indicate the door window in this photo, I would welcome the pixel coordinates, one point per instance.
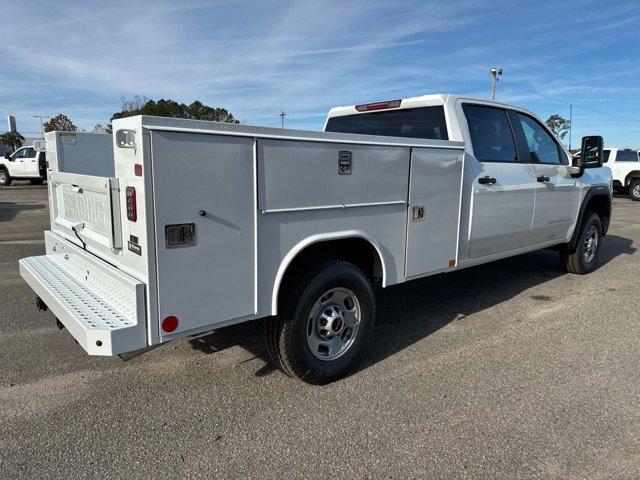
(22, 153)
(491, 134)
(542, 147)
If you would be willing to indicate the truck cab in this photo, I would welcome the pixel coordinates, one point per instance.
(521, 186)
(26, 163)
(625, 169)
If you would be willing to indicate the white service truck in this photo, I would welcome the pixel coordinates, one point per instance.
(625, 169)
(26, 163)
(208, 224)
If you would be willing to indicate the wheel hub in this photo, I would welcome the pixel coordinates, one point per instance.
(333, 324)
(590, 244)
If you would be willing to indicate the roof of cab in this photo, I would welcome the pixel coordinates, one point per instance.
(421, 101)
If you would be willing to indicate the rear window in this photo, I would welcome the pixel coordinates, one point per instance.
(627, 156)
(422, 122)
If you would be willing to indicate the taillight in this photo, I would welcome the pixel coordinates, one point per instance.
(132, 208)
(368, 107)
(170, 323)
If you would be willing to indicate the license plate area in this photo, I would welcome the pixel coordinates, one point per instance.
(86, 208)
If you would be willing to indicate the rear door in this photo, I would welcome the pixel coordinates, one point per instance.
(556, 193)
(205, 213)
(503, 187)
(30, 163)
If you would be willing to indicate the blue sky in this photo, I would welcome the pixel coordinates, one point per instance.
(258, 57)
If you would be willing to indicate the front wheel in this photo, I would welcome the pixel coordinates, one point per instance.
(325, 323)
(634, 190)
(585, 258)
(5, 179)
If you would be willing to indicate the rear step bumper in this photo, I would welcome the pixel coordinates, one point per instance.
(102, 307)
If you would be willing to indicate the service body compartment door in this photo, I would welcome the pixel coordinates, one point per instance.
(435, 189)
(204, 204)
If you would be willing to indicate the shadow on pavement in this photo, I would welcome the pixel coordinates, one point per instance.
(9, 210)
(410, 312)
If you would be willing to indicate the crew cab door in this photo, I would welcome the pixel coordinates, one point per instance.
(17, 167)
(503, 187)
(556, 193)
(30, 163)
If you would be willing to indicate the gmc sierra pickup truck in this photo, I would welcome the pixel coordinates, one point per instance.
(208, 224)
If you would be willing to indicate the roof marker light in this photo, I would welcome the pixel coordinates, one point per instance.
(368, 107)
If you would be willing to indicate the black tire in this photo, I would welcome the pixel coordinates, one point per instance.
(634, 190)
(579, 261)
(287, 334)
(5, 179)
(36, 181)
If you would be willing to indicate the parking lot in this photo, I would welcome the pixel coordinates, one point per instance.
(508, 370)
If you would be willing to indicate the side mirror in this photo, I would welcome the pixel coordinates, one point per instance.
(591, 154)
(7, 155)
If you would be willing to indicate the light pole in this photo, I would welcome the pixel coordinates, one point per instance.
(41, 124)
(282, 114)
(496, 74)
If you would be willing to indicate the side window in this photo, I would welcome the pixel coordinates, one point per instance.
(606, 156)
(627, 156)
(491, 134)
(31, 152)
(21, 153)
(542, 147)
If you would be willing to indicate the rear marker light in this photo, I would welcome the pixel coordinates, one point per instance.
(170, 323)
(137, 169)
(368, 107)
(132, 208)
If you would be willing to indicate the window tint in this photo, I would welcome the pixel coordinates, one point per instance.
(22, 153)
(627, 156)
(491, 134)
(542, 147)
(606, 155)
(423, 122)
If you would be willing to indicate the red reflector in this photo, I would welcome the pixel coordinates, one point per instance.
(367, 107)
(132, 208)
(170, 323)
(137, 169)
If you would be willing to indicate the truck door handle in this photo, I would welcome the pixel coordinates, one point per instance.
(543, 178)
(486, 180)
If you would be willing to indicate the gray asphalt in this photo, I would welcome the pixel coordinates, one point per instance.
(509, 370)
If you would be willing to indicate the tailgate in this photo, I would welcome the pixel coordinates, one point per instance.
(85, 210)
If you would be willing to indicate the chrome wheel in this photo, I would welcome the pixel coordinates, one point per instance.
(3, 177)
(333, 324)
(590, 246)
(636, 190)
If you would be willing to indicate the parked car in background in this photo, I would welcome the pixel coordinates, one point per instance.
(24, 164)
(625, 170)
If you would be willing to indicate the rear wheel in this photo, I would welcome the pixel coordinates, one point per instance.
(5, 179)
(634, 190)
(325, 323)
(585, 258)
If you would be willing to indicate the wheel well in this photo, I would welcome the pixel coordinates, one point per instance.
(631, 176)
(600, 204)
(356, 250)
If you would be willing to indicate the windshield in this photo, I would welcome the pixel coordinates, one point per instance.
(422, 122)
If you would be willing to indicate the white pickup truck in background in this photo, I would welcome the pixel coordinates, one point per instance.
(24, 164)
(207, 224)
(625, 169)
